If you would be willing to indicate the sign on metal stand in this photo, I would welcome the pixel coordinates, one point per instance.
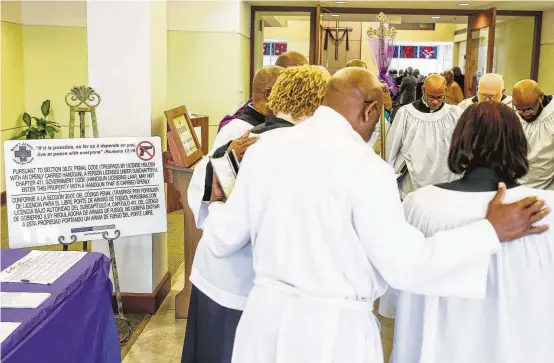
(69, 190)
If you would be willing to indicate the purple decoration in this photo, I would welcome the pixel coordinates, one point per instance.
(383, 64)
(75, 324)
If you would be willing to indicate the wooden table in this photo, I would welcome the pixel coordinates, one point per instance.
(180, 179)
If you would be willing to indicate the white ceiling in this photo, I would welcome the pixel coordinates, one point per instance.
(429, 4)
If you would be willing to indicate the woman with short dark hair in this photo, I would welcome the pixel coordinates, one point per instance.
(512, 320)
(489, 137)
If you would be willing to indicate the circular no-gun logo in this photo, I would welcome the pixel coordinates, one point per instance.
(145, 151)
(23, 153)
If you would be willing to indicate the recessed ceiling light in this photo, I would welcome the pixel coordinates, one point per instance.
(340, 2)
(435, 17)
(464, 4)
(335, 15)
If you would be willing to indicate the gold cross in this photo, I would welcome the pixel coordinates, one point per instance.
(382, 31)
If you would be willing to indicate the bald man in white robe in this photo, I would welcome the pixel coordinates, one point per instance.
(419, 138)
(491, 88)
(536, 111)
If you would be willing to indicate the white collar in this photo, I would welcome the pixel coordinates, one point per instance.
(434, 116)
(546, 112)
(289, 118)
(425, 103)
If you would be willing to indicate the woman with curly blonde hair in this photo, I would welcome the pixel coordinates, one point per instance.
(295, 96)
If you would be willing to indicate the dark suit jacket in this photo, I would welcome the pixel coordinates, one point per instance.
(408, 90)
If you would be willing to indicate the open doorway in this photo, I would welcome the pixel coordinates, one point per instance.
(276, 30)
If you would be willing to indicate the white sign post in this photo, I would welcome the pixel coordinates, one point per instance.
(78, 189)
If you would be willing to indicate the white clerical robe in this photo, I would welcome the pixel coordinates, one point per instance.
(219, 278)
(421, 141)
(328, 233)
(514, 323)
(470, 101)
(540, 137)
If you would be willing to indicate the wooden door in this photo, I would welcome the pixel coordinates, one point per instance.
(481, 28)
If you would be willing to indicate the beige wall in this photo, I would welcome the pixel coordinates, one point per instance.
(208, 57)
(42, 58)
(296, 34)
(442, 33)
(55, 60)
(513, 50)
(546, 73)
(13, 90)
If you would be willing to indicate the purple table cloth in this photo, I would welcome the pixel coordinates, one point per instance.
(75, 325)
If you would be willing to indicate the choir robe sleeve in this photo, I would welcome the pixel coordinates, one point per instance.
(395, 136)
(197, 186)
(450, 263)
(227, 228)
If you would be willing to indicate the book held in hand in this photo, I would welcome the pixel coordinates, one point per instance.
(226, 169)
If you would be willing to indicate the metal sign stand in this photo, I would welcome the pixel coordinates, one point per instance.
(82, 100)
(113, 262)
(116, 283)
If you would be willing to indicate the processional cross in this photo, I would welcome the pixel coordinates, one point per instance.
(382, 33)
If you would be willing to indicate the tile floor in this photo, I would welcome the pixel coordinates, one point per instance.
(162, 339)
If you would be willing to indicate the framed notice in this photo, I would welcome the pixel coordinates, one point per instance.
(182, 137)
(77, 189)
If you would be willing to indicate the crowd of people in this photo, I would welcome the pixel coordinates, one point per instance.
(318, 226)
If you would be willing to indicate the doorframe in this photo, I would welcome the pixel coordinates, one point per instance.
(534, 72)
(479, 20)
(282, 9)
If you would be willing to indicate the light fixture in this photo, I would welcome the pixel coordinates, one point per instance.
(335, 15)
(435, 17)
(340, 2)
(464, 4)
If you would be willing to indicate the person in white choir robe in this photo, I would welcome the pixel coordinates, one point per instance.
(491, 89)
(537, 113)
(220, 285)
(253, 115)
(322, 214)
(419, 138)
(514, 322)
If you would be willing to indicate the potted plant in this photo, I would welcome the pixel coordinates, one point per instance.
(43, 129)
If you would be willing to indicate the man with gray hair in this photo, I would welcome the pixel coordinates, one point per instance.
(491, 89)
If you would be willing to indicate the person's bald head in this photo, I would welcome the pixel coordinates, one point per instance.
(527, 98)
(434, 91)
(491, 88)
(324, 69)
(291, 59)
(356, 63)
(261, 87)
(357, 95)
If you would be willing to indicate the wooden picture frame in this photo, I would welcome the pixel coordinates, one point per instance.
(204, 123)
(183, 143)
